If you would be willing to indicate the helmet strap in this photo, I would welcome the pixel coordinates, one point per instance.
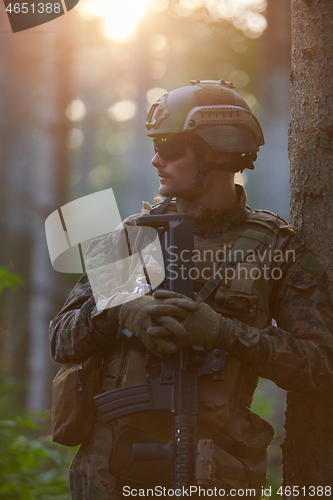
(203, 166)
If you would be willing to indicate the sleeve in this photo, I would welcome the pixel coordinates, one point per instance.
(297, 354)
(80, 329)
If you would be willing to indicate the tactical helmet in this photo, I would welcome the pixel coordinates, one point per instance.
(210, 109)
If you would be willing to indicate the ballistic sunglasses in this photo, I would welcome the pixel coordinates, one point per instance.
(171, 149)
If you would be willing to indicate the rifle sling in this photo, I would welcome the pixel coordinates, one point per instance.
(160, 208)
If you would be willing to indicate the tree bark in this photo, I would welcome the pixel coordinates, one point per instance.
(308, 457)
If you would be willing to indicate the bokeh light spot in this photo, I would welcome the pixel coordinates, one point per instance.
(227, 10)
(100, 176)
(158, 5)
(158, 69)
(74, 179)
(191, 5)
(75, 138)
(155, 93)
(203, 30)
(251, 100)
(117, 144)
(157, 42)
(239, 78)
(123, 111)
(76, 110)
(256, 22)
(238, 44)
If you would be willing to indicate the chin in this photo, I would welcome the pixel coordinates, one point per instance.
(167, 191)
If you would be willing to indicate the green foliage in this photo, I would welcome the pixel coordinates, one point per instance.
(9, 280)
(268, 407)
(32, 467)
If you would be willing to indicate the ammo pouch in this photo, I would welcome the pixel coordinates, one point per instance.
(239, 448)
(216, 409)
(127, 470)
(247, 435)
(240, 437)
(73, 407)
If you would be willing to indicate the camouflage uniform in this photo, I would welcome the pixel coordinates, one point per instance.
(297, 354)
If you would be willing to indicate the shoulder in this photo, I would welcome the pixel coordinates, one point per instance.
(271, 230)
(270, 220)
(287, 249)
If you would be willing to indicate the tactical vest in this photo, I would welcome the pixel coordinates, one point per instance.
(241, 438)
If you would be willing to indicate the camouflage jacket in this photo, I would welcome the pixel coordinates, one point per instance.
(296, 354)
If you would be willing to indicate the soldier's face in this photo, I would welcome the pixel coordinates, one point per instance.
(177, 176)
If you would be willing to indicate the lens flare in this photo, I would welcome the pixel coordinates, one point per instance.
(121, 16)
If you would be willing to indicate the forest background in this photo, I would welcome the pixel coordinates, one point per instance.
(74, 95)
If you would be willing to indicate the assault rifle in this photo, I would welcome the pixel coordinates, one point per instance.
(177, 387)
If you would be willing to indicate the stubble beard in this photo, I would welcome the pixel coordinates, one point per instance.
(174, 192)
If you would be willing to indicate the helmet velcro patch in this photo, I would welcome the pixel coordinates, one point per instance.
(205, 97)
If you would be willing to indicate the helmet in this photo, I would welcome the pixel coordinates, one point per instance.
(210, 109)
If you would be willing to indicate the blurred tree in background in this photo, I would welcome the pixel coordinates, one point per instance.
(74, 94)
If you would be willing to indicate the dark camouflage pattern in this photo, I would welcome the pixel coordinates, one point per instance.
(296, 354)
(89, 473)
(80, 329)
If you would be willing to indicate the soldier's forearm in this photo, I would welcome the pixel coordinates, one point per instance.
(76, 334)
(294, 364)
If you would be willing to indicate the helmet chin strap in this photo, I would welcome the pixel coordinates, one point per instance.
(203, 169)
(203, 166)
(245, 161)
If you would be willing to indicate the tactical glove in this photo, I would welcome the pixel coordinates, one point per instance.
(174, 304)
(202, 324)
(134, 317)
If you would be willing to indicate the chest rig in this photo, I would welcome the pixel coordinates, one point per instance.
(232, 274)
(245, 257)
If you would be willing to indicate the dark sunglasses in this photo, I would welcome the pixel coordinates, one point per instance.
(171, 149)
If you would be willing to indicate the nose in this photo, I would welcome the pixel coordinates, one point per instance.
(157, 161)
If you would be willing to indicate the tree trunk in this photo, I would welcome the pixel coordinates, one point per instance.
(49, 193)
(308, 457)
(271, 175)
(43, 197)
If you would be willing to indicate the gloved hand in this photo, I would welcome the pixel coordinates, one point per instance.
(171, 302)
(134, 317)
(202, 323)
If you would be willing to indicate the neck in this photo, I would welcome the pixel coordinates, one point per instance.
(218, 191)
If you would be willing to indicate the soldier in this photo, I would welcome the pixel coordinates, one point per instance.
(203, 134)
